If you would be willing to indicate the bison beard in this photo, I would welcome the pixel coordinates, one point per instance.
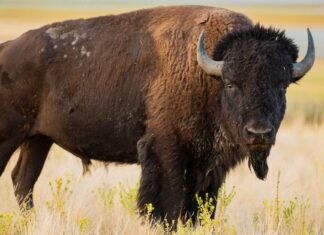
(258, 160)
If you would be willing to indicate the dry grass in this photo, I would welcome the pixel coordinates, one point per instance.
(86, 205)
(93, 204)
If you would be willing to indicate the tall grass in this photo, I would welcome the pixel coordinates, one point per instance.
(104, 202)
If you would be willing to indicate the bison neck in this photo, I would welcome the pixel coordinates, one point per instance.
(214, 153)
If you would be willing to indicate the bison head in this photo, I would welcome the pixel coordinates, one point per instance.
(255, 67)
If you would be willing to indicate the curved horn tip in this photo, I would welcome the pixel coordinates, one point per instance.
(311, 46)
(310, 38)
(302, 67)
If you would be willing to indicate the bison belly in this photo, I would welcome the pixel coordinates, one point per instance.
(93, 124)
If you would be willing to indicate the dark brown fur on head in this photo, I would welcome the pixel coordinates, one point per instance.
(257, 70)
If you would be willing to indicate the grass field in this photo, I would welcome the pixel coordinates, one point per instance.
(104, 202)
(290, 201)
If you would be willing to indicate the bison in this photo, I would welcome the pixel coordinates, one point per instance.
(188, 92)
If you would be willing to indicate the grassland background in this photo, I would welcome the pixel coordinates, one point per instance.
(298, 154)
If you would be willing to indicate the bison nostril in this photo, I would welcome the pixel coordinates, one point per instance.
(259, 134)
(259, 131)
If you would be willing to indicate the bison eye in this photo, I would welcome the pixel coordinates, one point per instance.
(228, 85)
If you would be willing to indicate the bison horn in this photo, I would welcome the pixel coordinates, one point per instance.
(302, 67)
(210, 66)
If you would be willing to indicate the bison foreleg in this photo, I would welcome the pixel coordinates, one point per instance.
(209, 192)
(30, 163)
(193, 209)
(162, 179)
(149, 186)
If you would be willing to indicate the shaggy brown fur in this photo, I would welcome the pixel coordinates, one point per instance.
(126, 89)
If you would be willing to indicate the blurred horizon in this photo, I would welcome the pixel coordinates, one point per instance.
(147, 3)
(293, 16)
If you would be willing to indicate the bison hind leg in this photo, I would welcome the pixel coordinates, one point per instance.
(13, 131)
(28, 168)
(7, 148)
